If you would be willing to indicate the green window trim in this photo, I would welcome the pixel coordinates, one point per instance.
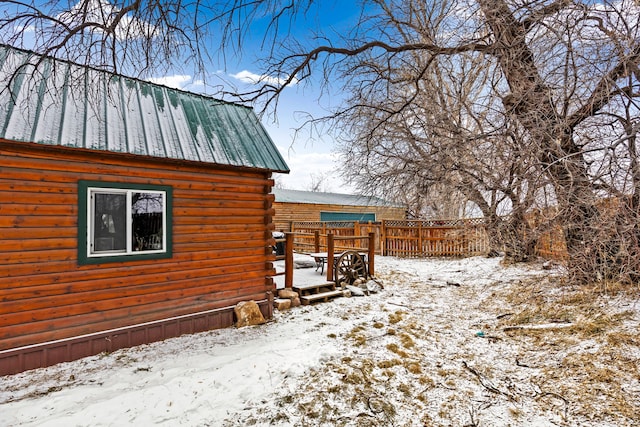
(85, 211)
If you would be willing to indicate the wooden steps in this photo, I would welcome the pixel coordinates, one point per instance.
(317, 292)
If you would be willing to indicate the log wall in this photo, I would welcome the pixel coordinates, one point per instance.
(222, 223)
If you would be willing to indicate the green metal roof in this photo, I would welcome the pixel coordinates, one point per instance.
(319, 198)
(54, 102)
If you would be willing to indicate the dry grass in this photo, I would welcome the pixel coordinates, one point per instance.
(432, 369)
(396, 317)
(591, 361)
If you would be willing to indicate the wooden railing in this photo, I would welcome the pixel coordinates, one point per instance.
(312, 236)
(332, 248)
(411, 238)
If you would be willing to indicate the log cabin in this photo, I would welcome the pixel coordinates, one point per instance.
(129, 212)
(308, 206)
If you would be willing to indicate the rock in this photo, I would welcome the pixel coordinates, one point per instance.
(373, 286)
(346, 293)
(248, 314)
(287, 293)
(291, 295)
(355, 291)
(282, 304)
(295, 302)
(359, 282)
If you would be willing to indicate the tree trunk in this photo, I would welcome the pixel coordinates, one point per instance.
(530, 103)
(511, 235)
(520, 243)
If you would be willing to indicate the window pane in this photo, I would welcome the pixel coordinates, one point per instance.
(147, 209)
(110, 222)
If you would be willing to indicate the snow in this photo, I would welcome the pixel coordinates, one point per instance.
(430, 349)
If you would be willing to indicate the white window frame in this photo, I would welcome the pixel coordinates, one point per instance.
(91, 191)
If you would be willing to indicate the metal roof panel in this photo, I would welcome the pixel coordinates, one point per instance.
(60, 103)
(320, 198)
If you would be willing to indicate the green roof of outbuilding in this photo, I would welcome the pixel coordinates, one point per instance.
(320, 198)
(61, 103)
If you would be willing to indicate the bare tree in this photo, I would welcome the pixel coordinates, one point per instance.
(440, 135)
(319, 182)
(560, 78)
(136, 37)
(556, 66)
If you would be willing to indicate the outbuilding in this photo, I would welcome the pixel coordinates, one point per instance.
(294, 206)
(129, 212)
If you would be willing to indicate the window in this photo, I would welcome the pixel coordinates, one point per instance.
(120, 222)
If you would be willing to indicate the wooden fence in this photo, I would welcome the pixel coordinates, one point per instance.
(412, 238)
(435, 238)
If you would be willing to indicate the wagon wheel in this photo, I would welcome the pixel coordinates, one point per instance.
(349, 267)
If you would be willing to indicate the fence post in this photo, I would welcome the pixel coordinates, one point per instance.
(288, 260)
(330, 249)
(316, 240)
(420, 249)
(383, 238)
(372, 253)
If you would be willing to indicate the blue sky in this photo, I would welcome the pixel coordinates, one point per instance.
(309, 155)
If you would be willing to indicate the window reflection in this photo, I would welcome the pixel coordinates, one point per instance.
(110, 216)
(147, 209)
(124, 217)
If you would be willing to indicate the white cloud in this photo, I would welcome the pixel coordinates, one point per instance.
(176, 81)
(104, 13)
(253, 78)
(199, 82)
(305, 167)
(25, 29)
(180, 81)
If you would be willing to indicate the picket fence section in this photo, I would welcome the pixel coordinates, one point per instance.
(409, 238)
(455, 238)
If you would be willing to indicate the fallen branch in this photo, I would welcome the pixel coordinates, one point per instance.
(408, 306)
(537, 327)
(557, 396)
(398, 304)
(522, 365)
(501, 316)
(484, 382)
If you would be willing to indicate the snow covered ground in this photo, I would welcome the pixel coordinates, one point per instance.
(465, 342)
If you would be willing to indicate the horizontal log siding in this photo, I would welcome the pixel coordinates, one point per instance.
(287, 213)
(221, 233)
